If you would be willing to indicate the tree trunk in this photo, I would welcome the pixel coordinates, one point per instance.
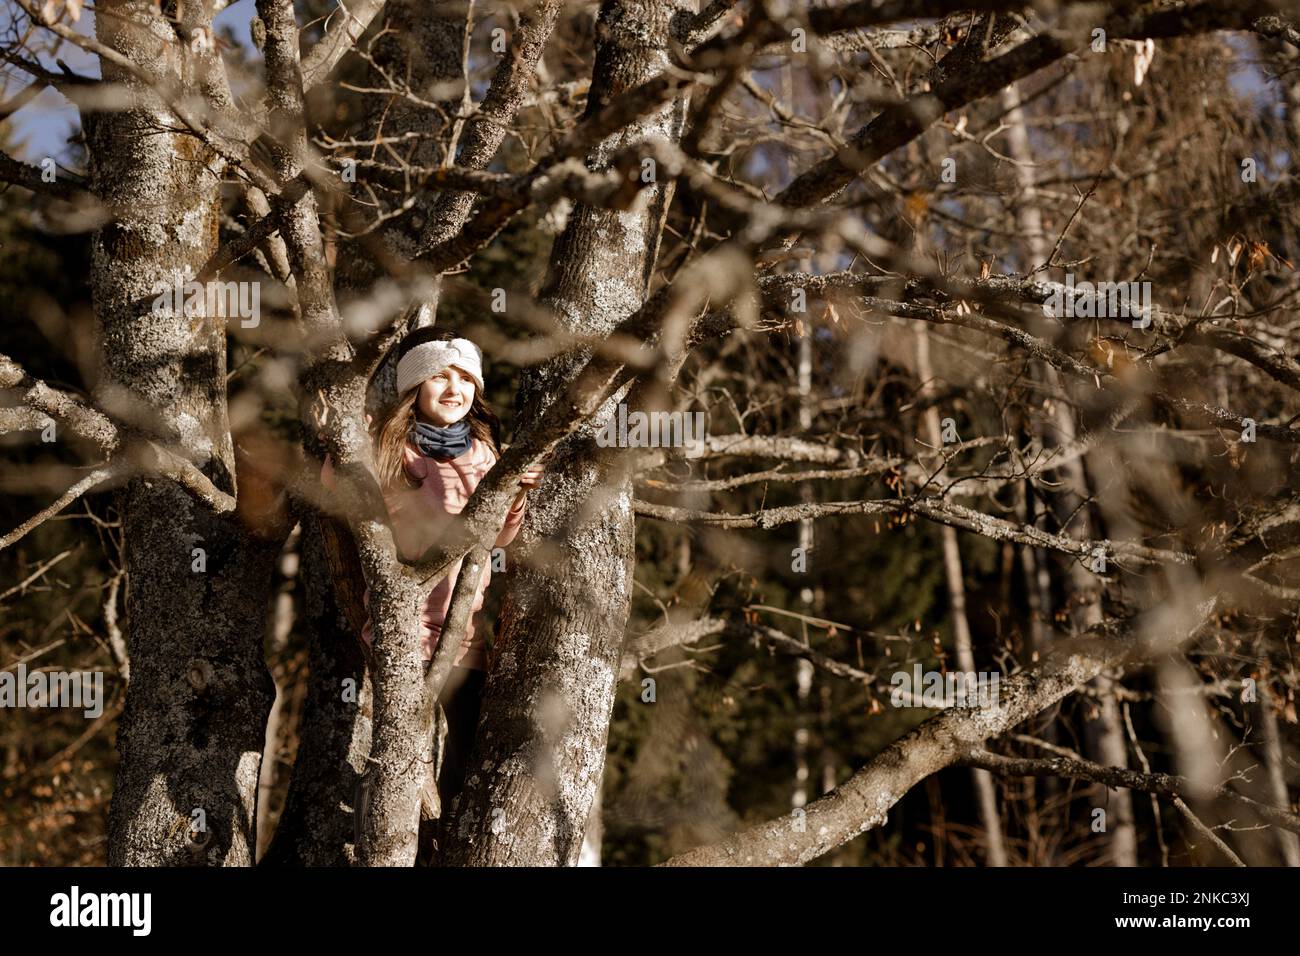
(1275, 764)
(540, 749)
(282, 623)
(191, 734)
(317, 827)
(424, 49)
(981, 780)
(1105, 734)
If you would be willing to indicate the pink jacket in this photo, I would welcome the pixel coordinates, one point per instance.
(419, 517)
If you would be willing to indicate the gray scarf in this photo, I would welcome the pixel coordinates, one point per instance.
(442, 443)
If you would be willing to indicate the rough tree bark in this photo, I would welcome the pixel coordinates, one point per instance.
(319, 822)
(540, 748)
(191, 733)
(318, 825)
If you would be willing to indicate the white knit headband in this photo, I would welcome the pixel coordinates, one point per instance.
(430, 358)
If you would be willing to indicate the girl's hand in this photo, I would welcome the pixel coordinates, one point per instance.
(532, 477)
(527, 480)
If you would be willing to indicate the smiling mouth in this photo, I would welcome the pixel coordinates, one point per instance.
(450, 403)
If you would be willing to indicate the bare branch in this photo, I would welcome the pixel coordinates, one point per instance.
(862, 803)
(90, 481)
(1161, 784)
(65, 185)
(351, 21)
(935, 509)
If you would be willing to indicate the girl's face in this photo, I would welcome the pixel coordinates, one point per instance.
(445, 398)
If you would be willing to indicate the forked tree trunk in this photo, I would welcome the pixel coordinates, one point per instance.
(540, 748)
(322, 816)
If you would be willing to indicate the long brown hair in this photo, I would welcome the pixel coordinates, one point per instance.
(390, 429)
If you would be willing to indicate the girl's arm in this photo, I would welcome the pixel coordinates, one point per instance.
(515, 516)
(514, 519)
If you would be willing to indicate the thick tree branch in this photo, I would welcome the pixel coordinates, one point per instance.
(86, 422)
(486, 129)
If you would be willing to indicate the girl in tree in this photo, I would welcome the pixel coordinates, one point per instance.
(433, 446)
